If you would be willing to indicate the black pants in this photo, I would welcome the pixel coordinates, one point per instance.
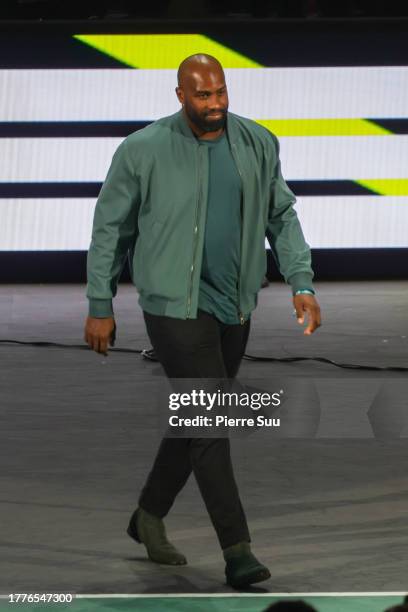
(197, 348)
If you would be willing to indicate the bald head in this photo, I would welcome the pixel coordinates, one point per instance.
(203, 93)
(196, 64)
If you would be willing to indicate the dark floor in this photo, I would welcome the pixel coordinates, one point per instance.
(327, 506)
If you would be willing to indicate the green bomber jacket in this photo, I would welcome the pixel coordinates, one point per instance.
(152, 210)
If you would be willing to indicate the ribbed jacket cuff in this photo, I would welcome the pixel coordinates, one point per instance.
(301, 280)
(100, 309)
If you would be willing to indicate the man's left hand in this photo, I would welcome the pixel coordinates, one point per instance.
(305, 303)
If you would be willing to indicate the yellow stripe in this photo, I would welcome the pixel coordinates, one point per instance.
(163, 50)
(323, 127)
(389, 187)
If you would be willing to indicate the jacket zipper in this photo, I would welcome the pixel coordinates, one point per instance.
(240, 315)
(195, 232)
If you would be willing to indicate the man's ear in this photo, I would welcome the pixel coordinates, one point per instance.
(180, 95)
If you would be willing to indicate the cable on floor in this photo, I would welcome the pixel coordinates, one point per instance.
(149, 354)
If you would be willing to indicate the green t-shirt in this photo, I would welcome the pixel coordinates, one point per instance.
(222, 240)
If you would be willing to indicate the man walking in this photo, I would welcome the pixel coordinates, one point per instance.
(190, 198)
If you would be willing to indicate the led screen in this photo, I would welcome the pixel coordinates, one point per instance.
(343, 133)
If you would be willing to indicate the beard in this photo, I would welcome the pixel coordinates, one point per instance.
(205, 122)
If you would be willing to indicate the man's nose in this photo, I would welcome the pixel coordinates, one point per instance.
(216, 107)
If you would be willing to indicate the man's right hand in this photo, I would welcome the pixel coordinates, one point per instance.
(99, 332)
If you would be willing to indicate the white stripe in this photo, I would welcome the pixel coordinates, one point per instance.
(263, 93)
(89, 95)
(308, 158)
(240, 595)
(222, 595)
(354, 221)
(327, 222)
(48, 224)
(344, 157)
(353, 92)
(55, 159)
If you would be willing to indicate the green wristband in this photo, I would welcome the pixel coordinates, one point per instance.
(305, 291)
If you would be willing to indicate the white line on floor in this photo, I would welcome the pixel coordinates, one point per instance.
(152, 595)
(197, 595)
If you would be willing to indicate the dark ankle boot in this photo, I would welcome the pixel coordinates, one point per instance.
(242, 567)
(150, 531)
